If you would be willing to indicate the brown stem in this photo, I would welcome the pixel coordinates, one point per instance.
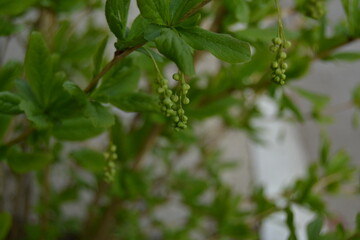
(119, 55)
(194, 10)
(149, 142)
(20, 138)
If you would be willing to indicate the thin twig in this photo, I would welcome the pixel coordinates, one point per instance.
(21, 137)
(118, 57)
(194, 10)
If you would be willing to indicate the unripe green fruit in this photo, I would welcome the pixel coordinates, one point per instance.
(186, 100)
(175, 98)
(181, 111)
(275, 65)
(287, 44)
(176, 77)
(284, 66)
(283, 55)
(278, 71)
(276, 41)
(186, 86)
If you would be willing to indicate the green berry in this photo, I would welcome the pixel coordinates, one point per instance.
(186, 86)
(284, 66)
(278, 71)
(176, 77)
(275, 65)
(287, 44)
(174, 98)
(186, 100)
(276, 41)
(283, 55)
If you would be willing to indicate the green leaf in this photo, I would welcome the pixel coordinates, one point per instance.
(357, 226)
(319, 100)
(99, 115)
(76, 129)
(290, 105)
(356, 96)
(116, 12)
(89, 159)
(9, 103)
(99, 55)
(8, 28)
(5, 224)
(156, 11)
(290, 223)
(123, 78)
(239, 8)
(8, 73)
(178, 8)
(74, 90)
(136, 102)
(15, 7)
(314, 229)
(222, 46)
(39, 68)
(31, 107)
(176, 49)
(25, 162)
(344, 56)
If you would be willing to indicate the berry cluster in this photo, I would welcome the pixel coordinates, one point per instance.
(180, 120)
(315, 8)
(279, 66)
(171, 103)
(110, 168)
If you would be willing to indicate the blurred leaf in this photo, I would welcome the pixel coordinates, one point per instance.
(356, 96)
(15, 7)
(76, 129)
(123, 78)
(100, 116)
(91, 160)
(8, 73)
(9, 103)
(355, 120)
(39, 69)
(314, 229)
(215, 107)
(223, 46)
(25, 162)
(156, 11)
(31, 107)
(99, 55)
(8, 28)
(136, 102)
(176, 49)
(290, 223)
(116, 12)
(239, 8)
(287, 103)
(344, 56)
(5, 224)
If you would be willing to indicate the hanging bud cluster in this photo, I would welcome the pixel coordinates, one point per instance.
(171, 104)
(314, 8)
(180, 97)
(279, 66)
(110, 167)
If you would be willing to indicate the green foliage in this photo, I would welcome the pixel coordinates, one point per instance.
(222, 46)
(5, 224)
(68, 91)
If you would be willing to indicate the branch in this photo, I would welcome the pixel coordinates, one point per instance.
(194, 10)
(21, 137)
(119, 55)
